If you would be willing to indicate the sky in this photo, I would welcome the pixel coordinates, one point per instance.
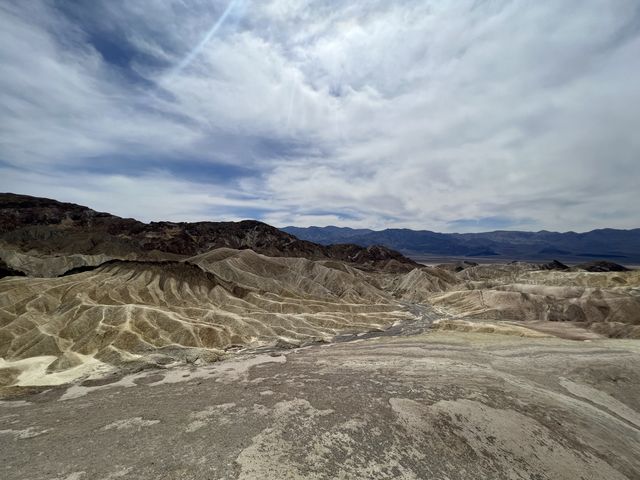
(445, 115)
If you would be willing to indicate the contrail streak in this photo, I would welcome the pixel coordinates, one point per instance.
(198, 48)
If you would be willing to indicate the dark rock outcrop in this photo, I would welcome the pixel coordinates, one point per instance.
(554, 265)
(457, 266)
(602, 266)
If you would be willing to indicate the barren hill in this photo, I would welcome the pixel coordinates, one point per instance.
(145, 313)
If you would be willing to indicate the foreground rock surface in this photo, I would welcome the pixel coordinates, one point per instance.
(440, 405)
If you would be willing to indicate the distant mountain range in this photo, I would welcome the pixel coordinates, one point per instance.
(620, 245)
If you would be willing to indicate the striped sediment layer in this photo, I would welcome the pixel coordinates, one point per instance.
(141, 313)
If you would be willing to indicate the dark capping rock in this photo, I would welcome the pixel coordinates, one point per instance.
(457, 266)
(554, 265)
(602, 266)
(460, 266)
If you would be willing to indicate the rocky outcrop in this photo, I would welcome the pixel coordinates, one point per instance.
(457, 266)
(554, 265)
(602, 266)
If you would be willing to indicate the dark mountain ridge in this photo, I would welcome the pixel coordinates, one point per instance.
(48, 227)
(608, 243)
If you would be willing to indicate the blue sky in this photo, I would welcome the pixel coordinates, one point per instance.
(449, 115)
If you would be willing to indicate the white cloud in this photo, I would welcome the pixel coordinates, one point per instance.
(361, 113)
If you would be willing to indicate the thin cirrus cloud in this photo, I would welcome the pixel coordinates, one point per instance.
(446, 115)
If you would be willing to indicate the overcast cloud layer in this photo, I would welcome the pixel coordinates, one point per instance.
(454, 115)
